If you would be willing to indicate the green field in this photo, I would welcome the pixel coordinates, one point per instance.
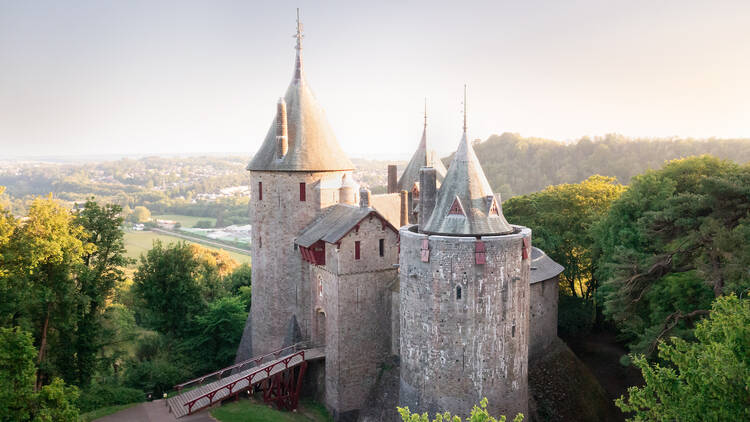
(257, 411)
(184, 220)
(137, 243)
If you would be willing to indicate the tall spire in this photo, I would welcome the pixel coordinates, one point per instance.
(425, 113)
(298, 62)
(311, 144)
(464, 108)
(466, 205)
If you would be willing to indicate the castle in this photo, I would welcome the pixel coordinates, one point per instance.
(430, 272)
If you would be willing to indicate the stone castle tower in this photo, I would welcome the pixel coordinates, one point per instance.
(464, 292)
(298, 171)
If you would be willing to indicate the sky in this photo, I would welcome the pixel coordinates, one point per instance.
(173, 77)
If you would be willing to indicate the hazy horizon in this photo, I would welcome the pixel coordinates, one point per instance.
(146, 78)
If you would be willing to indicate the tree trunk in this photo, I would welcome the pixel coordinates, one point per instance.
(42, 348)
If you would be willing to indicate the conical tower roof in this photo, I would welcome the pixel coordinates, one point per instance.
(312, 144)
(422, 158)
(465, 203)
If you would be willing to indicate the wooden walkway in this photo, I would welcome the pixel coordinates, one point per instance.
(223, 388)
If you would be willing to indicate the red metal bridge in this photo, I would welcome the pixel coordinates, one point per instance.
(277, 374)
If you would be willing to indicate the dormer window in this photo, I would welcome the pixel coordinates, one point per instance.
(456, 208)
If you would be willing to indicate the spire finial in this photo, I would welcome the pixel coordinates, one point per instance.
(299, 36)
(464, 108)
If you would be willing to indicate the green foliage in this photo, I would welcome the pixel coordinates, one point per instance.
(561, 217)
(478, 414)
(18, 400)
(156, 376)
(56, 403)
(16, 374)
(203, 224)
(101, 395)
(168, 296)
(705, 380)
(673, 241)
(217, 334)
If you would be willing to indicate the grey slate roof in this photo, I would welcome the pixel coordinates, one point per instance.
(335, 224)
(312, 144)
(542, 266)
(465, 181)
(422, 157)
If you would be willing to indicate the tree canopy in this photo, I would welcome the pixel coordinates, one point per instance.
(705, 380)
(674, 241)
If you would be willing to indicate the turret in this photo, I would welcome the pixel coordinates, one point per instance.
(464, 291)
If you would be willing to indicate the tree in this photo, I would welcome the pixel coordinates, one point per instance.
(674, 241)
(705, 380)
(561, 217)
(217, 333)
(49, 248)
(101, 270)
(478, 414)
(169, 297)
(141, 214)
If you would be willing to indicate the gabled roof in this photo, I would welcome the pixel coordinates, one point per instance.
(466, 184)
(543, 267)
(312, 144)
(422, 157)
(336, 223)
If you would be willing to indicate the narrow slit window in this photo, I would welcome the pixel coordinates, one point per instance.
(381, 247)
(260, 191)
(356, 249)
(458, 292)
(302, 192)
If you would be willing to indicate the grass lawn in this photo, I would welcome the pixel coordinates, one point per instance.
(185, 220)
(256, 411)
(137, 243)
(104, 411)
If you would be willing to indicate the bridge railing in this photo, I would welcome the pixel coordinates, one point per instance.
(276, 367)
(240, 366)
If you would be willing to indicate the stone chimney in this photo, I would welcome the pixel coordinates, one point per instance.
(346, 191)
(427, 194)
(404, 220)
(364, 197)
(282, 138)
(392, 178)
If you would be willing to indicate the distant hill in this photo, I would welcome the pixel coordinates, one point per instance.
(516, 165)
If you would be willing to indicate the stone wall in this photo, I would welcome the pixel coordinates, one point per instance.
(455, 351)
(278, 272)
(356, 299)
(543, 325)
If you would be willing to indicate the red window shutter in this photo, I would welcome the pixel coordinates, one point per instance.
(260, 191)
(425, 250)
(302, 192)
(480, 252)
(356, 249)
(526, 246)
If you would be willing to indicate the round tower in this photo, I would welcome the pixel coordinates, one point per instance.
(464, 291)
(293, 176)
